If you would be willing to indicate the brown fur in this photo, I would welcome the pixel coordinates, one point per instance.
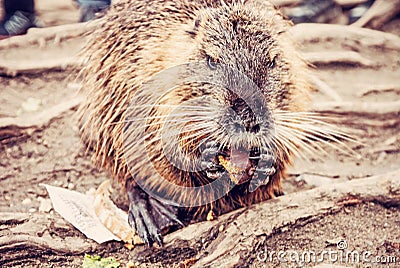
(141, 38)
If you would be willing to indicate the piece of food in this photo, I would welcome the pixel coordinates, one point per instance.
(233, 170)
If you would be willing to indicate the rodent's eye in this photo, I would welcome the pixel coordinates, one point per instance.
(211, 63)
(272, 63)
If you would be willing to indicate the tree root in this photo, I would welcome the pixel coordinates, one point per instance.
(349, 3)
(338, 57)
(25, 125)
(379, 13)
(380, 89)
(282, 3)
(13, 68)
(366, 108)
(38, 234)
(347, 36)
(56, 34)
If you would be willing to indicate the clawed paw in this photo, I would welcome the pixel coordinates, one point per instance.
(149, 217)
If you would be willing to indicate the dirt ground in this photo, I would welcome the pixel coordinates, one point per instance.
(53, 154)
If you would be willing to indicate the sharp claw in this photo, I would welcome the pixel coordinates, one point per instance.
(131, 220)
(210, 152)
(159, 240)
(136, 221)
(146, 240)
(214, 175)
(266, 171)
(266, 157)
(255, 183)
(148, 216)
(167, 211)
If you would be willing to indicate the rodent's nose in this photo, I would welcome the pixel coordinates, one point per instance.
(247, 116)
(255, 128)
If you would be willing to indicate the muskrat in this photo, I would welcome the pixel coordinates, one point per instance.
(218, 131)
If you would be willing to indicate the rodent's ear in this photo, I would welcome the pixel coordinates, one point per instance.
(193, 32)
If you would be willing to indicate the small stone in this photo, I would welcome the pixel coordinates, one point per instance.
(390, 141)
(211, 216)
(26, 202)
(30, 191)
(45, 204)
(31, 105)
(381, 158)
(32, 210)
(385, 225)
(91, 191)
(130, 265)
(221, 228)
(31, 160)
(71, 186)
(129, 246)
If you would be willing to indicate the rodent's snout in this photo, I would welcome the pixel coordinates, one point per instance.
(247, 156)
(246, 116)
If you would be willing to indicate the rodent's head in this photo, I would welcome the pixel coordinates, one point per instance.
(230, 125)
(248, 40)
(244, 44)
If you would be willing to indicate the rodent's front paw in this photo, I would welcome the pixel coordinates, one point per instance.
(143, 222)
(150, 217)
